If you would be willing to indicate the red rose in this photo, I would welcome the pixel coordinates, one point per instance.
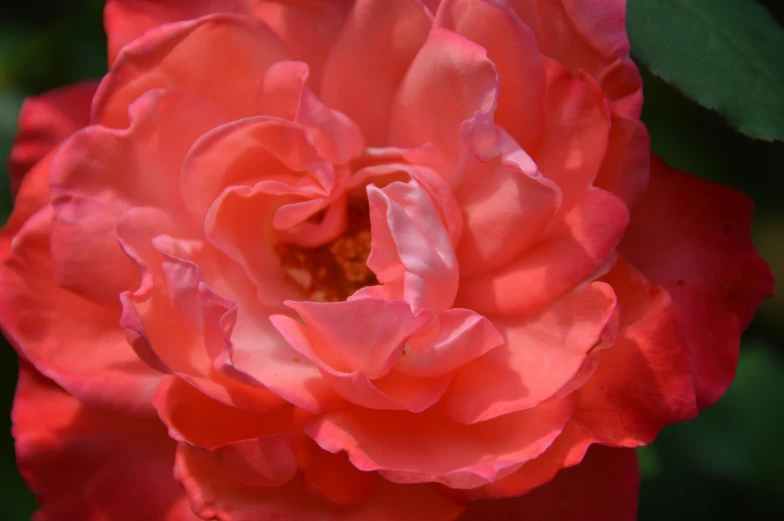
(369, 260)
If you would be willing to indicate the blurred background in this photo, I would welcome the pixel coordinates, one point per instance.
(726, 464)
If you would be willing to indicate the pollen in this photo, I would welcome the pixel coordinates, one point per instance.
(334, 271)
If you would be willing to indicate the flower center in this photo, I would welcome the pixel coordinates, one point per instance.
(333, 271)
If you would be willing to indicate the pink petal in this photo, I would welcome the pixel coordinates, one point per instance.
(410, 250)
(371, 56)
(512, 47)
(235, 49)
(257, 449)
(460, 336)
(137, 166)
(285, 93)
(307, 28)
(70, 339)
(364, 335)
(430, 447)
(576, 248)
(450, 80)
(127, 20)
(507, 204)
(575, 137)
(543, 352)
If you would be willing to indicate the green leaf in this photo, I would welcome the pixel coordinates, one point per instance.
(726, 55)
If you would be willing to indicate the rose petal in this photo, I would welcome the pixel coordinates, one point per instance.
(307, 28)
(450, 80)
(127, 20)
(88, 463)
(44, 122)
(644, 381)
(692, 237)
(459, 336)
(512, 47)
(257, 449)
(235, 49)
(604, 487)
(411, 251)
(579, 244)
(366, 335)
(575, 137)
(332, 476)
(137, 166)
(430, 447)
(542, 354)
(70, 339)
(370, 56)
(214, 495)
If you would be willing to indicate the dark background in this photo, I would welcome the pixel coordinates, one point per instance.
(726, 464)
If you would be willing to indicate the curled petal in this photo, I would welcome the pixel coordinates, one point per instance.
(235, 49)
(410, 250)
(457, 337)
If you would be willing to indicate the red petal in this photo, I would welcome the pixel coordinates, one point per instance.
(44, 122)
(692, 237)
(216, 496)
(89, 463)
(604, 487)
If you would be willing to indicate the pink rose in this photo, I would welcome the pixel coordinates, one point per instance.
(371, 260)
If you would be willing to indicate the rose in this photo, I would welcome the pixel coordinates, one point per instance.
(363, 260)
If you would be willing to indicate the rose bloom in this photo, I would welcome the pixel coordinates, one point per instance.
(366, 260)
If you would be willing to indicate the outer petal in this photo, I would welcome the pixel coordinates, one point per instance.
(70, 339)
(371, 56)
(257, 449)
(44, 122)
(89, 463)
(590, 36)
(138, 166)
(692, 237)
(127, 20)
(190, 56)
(216, 496)
(644, 381)
(604, 487)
